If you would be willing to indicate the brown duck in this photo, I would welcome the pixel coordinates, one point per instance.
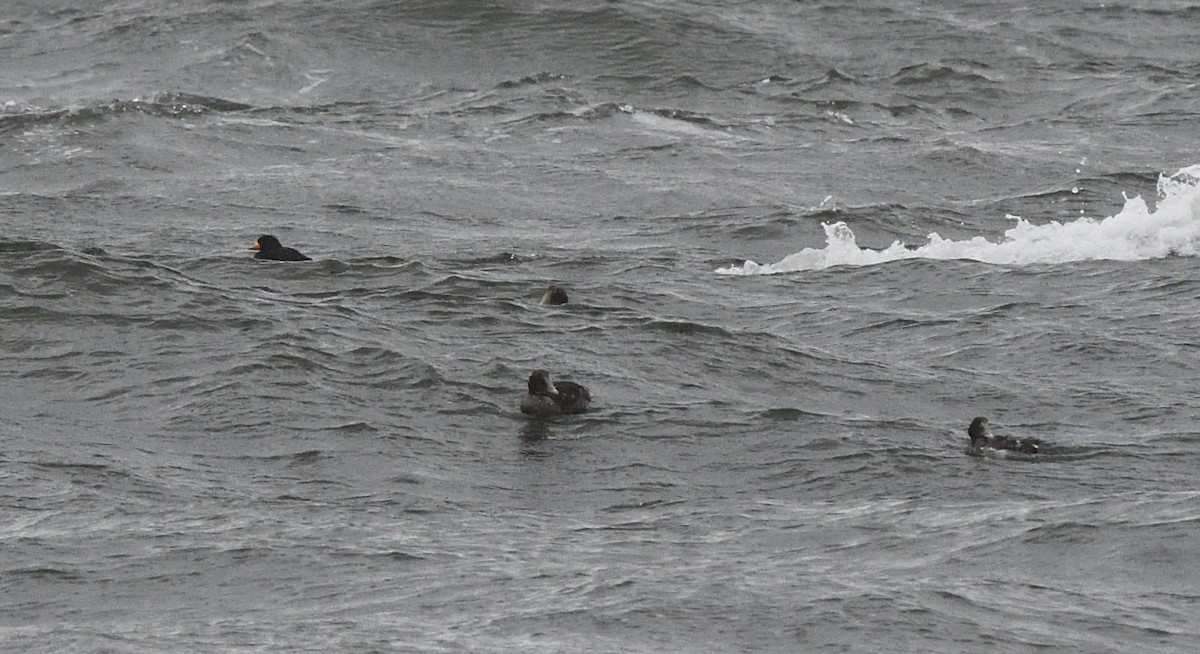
(981, 437)
(546, 398)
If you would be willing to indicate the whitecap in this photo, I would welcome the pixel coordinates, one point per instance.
(1135, 233)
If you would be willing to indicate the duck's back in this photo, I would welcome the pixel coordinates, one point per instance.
(1023, 445)
(282, 254)
(573, 398)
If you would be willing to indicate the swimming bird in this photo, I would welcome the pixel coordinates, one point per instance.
(546, 398)
(554, 295)
(981, 437)
(269, 247)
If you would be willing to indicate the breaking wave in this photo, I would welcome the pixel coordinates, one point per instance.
(1135, 233)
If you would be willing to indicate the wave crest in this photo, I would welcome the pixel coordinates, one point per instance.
(1135, 233)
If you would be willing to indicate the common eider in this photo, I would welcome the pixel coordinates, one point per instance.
(982, 438)
(546, 398)
(554, 295)
(269, 247)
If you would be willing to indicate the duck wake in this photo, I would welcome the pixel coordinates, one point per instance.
(1135, 233)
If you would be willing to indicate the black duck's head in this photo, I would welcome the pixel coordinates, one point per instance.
(539, 383)
(554, 295)
(979, 431)
(266, 242)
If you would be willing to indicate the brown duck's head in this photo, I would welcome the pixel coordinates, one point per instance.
(979, 431)
(539, 383)
(554, 295)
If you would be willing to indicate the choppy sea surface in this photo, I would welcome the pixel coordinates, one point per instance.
(805, 244)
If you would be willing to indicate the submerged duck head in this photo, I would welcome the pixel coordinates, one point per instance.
(554, 295)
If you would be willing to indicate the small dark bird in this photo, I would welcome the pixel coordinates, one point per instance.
(981, 437)
(269, 247)
(546, 398)
(554, 295)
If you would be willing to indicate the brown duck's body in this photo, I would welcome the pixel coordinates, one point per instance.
(554, 295)
(981, 437)
(546, 398)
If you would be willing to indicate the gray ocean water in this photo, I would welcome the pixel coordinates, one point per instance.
(805, 244)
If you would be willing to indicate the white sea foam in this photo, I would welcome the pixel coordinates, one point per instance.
(1135, 233)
